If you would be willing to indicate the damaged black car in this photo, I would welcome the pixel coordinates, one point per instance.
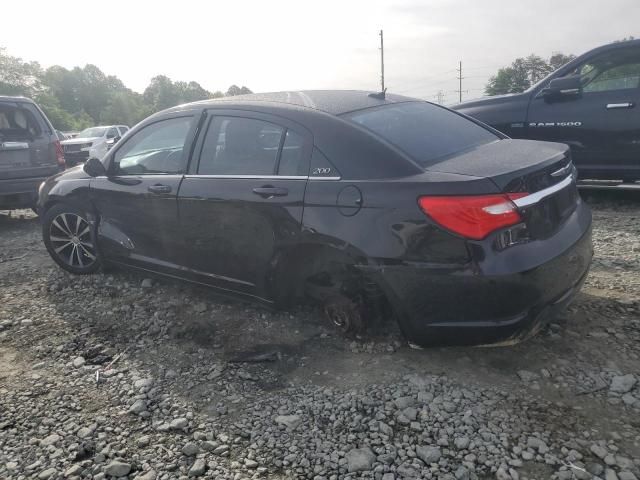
(371, 204)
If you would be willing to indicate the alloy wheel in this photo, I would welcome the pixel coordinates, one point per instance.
(70, 236)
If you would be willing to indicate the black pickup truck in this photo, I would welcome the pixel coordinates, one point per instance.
(592, 104)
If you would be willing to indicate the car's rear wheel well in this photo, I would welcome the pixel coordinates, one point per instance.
(330, 277)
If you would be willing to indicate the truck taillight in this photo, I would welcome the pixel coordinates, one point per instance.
(59, 153)
(473, 216)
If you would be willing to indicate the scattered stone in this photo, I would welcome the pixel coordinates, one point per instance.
(48, 473)
(78, 362)
(117, 469)
(290, 421)
(190, 449)
(198, 468)
(360, 460)
(428, 454)
(622, 383)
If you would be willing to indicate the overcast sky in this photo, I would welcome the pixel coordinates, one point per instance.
(274, 45)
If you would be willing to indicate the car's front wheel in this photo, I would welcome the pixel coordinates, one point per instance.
(67, 235)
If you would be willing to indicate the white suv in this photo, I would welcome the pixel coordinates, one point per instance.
(92, 142)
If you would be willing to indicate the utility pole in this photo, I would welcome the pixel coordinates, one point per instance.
(440, 97)
(382, 61)
(460, 78)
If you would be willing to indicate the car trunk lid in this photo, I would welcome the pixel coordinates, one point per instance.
(541, 169)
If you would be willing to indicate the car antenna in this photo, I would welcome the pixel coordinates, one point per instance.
(379, 95)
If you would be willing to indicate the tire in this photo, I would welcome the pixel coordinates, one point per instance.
(69, 239)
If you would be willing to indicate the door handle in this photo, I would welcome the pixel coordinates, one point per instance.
(269, 192)
(158, 188)
(612, 106)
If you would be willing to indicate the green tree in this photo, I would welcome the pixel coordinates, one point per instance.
(236, 90)
(18, 77)
(523, 73)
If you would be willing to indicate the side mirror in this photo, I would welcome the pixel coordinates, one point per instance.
(563, 88)
(94, 168)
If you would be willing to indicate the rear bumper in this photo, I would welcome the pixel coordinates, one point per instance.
(503, 297)
(19, 192)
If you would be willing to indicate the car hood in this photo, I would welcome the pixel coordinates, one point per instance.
(76, 141)
(488, 101)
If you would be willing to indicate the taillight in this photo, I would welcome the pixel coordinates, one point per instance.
(59, 153)
(473, 216)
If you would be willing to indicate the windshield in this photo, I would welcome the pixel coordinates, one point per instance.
(92, 132)
(424, 131)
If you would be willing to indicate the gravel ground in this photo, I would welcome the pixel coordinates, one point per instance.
(115, 375)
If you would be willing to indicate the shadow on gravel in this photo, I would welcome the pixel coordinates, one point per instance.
(172, 326)
(611, 198)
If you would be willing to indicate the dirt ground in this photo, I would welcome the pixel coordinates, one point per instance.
(102, 361)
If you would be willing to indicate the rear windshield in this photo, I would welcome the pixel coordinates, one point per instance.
(424, 131)
(17, 123)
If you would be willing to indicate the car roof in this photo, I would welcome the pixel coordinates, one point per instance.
(335, 102)
(8, 98)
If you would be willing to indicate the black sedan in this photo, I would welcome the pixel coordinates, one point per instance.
(372, 205)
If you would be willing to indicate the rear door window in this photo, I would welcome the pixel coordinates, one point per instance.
(424, 131)
(240, 146)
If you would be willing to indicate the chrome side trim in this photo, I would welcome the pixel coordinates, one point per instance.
(325, 178)
(619, 105)
(252, 177)
(536, 197)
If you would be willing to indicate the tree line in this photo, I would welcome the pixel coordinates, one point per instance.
(523, 73)
(84, 96)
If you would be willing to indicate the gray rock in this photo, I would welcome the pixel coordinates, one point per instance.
(385, 429)
(610, 474)
(502, 474)
(622, 383)
(527, 376)
(404, 402)
(73, 471)
(150, 475)
(48, 473)
(290, 421)
(198, 468)
(190, 449)
(462, 473)
(462, 442)
(388, 476)
(138, 406)
(251, 463)
(428, 454)
(599, 451)
(627, 475)
(537, 444)
(146, 283)
(209, 446)
(117, 469)
(50, 440)
(143, 441)
(78, 362)
(360, 460)
(179, 424)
